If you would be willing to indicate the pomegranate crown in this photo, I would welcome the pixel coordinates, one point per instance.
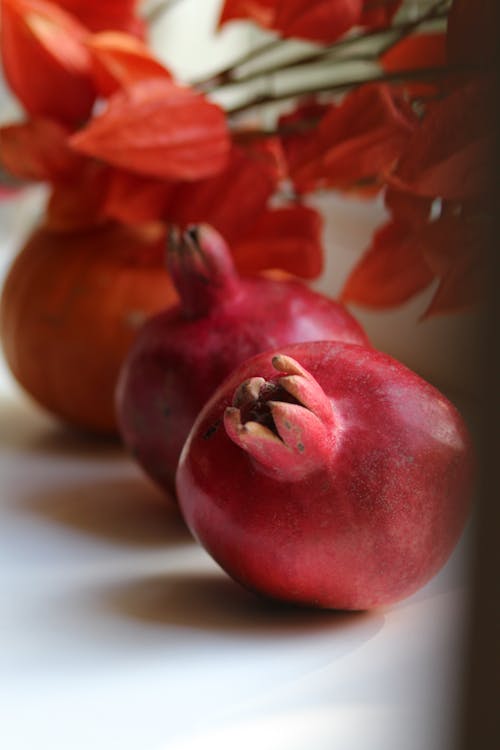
(285, 424)
(202, 268)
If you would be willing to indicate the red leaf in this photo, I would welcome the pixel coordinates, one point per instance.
(379, 13)
(448, 156)
(416, 52)
(232, 200)
(134, 199)
(267, 152)
(105, 15)
(474, 31)
(235, 203)
(45, 60)
(37, 150)
(120, 60)
(454, 247)
(158, 129)
(355, 142)
(461, 289)
(408, 208)
(456, 177)
(452, 243)
(285, 238)
(317, 20)
(296, 129)
(260, 11)
(390, 272)
(80, 204)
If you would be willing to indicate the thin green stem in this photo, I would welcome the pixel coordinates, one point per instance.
(227, 77)
(398, 76)
(439, 10)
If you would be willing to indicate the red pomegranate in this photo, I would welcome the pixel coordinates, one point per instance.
(181, 355)
(327, 474)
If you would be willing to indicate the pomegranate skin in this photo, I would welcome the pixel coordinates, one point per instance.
(344, 490)
(182, 354)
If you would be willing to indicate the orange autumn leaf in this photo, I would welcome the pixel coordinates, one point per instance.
(135, 199)
(236, 203)
(157, 128)
(287, 238)
(448, 156)
(316, 20)
(296, 128)
(266, 152)
(379, 13)
(260, 11)
(425, 241)
(416, 52)
(461, 289)
(407, 207)
(37, 150)
(80, 203)
(455, 247)
(104, 15)
(232, 200)
(119, 60)
(355, 142)
(45, 60)
(390, 272)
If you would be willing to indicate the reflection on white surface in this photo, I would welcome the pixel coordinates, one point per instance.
(321, 729)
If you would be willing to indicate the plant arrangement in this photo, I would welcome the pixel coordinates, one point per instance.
(136, 160)
(123, 144)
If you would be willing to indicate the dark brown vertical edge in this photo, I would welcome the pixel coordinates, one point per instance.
(480, 709)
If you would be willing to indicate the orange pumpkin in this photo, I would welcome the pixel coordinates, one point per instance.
(71, 305)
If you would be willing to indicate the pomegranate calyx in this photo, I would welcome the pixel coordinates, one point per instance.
(202, 269)
(285, 424)
(300, 384)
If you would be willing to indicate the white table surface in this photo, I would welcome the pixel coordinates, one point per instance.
(118, 631)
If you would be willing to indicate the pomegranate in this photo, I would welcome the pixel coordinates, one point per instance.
(182, 354)
(327, 474)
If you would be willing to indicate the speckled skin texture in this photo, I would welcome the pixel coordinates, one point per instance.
(177, 362)
(370, 521)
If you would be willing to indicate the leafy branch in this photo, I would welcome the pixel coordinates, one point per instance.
(398, 31)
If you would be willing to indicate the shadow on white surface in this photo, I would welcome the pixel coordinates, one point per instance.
(212, 601)
(125, 510)
(25, 427)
